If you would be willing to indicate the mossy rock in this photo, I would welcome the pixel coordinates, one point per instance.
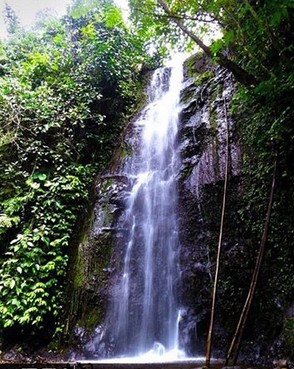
(197, 64)
(79, 276)
(91, 318)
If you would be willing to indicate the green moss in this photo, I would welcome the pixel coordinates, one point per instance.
(103, 248)
(202, 78)
(89, 278)
(107, 184)
(188, 95)
(189, 65)
(126, 150)
(108, 216)
(91, 318)
(79, 276)
(198, 67)
(219, 90)
(213, 122)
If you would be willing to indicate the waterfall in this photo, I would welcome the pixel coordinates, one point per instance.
(146, 312)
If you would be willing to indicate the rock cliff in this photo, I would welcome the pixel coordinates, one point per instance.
(205, 118)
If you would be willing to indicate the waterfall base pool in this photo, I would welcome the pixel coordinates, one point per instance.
(136, 363)
(150, 363)
(147, 360)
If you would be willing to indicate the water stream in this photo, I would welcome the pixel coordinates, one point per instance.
(146, 310)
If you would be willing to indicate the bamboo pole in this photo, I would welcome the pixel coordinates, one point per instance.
(214, 294)
(237, 338)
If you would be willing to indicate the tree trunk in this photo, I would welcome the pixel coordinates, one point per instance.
(240, 74)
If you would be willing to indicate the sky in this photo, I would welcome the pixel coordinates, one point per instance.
(26, 10)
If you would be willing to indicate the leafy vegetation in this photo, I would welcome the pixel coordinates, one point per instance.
(65, 92)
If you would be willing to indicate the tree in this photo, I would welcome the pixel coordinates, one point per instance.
(239, 73)
(246, 27)
(11, 19)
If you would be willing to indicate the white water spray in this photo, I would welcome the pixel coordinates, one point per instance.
(146, 310)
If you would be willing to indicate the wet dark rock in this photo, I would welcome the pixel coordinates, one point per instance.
(13, 355)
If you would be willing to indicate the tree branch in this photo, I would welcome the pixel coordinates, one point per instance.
(239, 73)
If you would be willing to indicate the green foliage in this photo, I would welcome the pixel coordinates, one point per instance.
(250, 33)
(265, 117)
(289, 337)
(81, 8)
(64, 94)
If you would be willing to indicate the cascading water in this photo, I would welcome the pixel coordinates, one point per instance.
(146, 310)
(158, 307)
